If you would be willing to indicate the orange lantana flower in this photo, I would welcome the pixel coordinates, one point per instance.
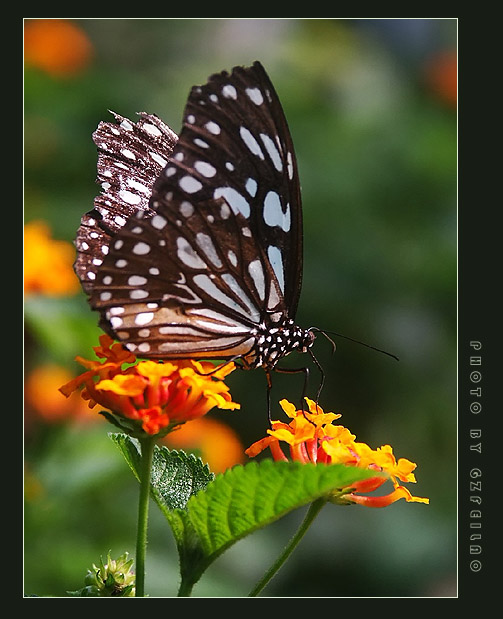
(44, 401)
(47, 262)
(150, 397)
(57, 46)
(312, 437)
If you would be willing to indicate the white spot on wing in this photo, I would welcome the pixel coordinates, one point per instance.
(188, 255)
(276, 260)
(229, 92)
(234, 199)
(186, 209)
(232, 257)
(127, 153)
(255, 95)
(251, 142)
(289, 160)
(251, 187)
(272, 151)
(189, 184)
(225, 211)
(136, 280)
(138, 186)
(257, 273)
(205, 168)
(138, 294)
(213, 127)
(273, 213)
(140, 249)
(206, 244)
(143, 318)
(158, 159)
(158, 221)
(152, 130)
(201, 143)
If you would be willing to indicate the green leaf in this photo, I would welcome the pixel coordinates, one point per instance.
(175, 475)
(248, 497)
(244, 499)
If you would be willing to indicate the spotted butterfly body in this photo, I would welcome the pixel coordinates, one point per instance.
(194, 247)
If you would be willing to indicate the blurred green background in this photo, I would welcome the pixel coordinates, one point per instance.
(372, 111)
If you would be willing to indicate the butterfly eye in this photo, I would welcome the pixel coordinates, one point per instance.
(194, 247)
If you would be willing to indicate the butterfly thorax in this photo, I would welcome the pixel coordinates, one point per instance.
(273, 342)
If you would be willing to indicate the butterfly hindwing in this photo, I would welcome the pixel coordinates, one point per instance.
(130, 158)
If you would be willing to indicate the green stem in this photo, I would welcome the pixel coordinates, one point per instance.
(313, 511)
(185, 589)
(147, 448)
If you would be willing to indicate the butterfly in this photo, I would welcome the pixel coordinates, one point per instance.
(194, 247)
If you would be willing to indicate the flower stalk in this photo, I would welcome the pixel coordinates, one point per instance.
(313, 511)
(147, 449)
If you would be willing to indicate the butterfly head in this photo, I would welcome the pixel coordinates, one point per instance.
(308, 340)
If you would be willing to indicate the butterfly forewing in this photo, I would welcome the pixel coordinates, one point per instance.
(235, 145)
(214, 259)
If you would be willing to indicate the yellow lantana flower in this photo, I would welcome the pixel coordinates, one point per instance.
(312, 437)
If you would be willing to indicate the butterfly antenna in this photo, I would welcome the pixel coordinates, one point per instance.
(346, 337)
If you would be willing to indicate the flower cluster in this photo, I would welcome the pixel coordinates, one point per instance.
(312, 437)
(150, 397)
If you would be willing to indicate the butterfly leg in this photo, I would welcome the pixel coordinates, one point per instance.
(297, 371)
(322, 381)
(220, 366)
(268, 394)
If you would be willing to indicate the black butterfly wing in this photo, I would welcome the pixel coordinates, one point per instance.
(218, 251)
(130, 158)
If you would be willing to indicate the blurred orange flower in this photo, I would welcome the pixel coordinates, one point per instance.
(47, 262)
(442, 76)
(216, 443)
(57, 46)
(43, 398)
